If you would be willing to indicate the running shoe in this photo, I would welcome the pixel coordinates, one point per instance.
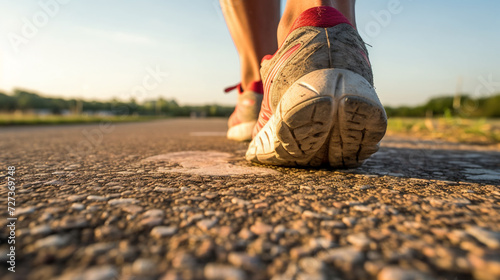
(320, 106)
(246, 113)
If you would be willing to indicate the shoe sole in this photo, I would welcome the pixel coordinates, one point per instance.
(329, 116)
(241, 132)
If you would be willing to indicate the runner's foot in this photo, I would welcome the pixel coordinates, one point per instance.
(244, 117)
(319, 104)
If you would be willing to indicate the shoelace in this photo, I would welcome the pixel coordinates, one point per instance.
(231, 88)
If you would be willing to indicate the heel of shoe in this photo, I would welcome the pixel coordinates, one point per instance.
(360, 122)
(329, 116)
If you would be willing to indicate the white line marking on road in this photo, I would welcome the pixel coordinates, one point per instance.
(210, 163)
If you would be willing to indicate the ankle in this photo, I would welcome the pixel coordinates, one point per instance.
(294, 9)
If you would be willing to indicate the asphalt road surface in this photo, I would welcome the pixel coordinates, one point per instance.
(175, 200)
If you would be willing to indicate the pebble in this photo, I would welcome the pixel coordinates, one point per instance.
(96, 198)
(163, 231)
(112, 195)
(261, 228)
(107, 232)
(360, 240)
(460, 201)
(353, 203)
(240, 202)
(246, 234)
(472, 247)
(77, 206)
(374, 267)
(344, 257)
(205, 249)
(24, 210)
(279, 229)
(307, 188)
(333, 224)
(299, 226)
(486, 266)
(456, 236)
(362, 208)
(349, 221)
(116, 188)
(99, 248)
(245, 261)
(72, 167)
(412, 224)
(397, 273)
(40, 230)
(312, 215)
(210, 195)
(165, 190)
(75, 198)
(385, 210)
(261, 205)
(52, 241)
(126, 173)
(54, 183)
(300, 252)
(224, 231)
(73, 222)
(309, 276)
(183, 260)
(291, 270)
(219, 271)
(277, 250)
(54, 210)
(105, 272)
(122, 201)
(194, 218)
(45, 217)
(93, 208)
(321, 243)
(144, 267)
(154, 213)
(311, 265)
(295, 209)
(206, 224)
(487, 237)
(331, 211)
(151, 221)
(132, 209)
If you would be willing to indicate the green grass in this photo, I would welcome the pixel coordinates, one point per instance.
(479, 131)
(29, 119)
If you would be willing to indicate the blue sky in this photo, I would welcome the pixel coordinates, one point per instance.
(106, 49)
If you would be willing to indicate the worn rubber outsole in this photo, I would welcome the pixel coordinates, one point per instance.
(329, 116)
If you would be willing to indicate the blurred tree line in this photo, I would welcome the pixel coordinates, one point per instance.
(460, 106)
(463, 106)
(25, 101)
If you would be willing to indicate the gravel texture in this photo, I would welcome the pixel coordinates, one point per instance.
(112, 202)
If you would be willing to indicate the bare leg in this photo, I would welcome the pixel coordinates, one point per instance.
(253, 25)
(295, 7)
